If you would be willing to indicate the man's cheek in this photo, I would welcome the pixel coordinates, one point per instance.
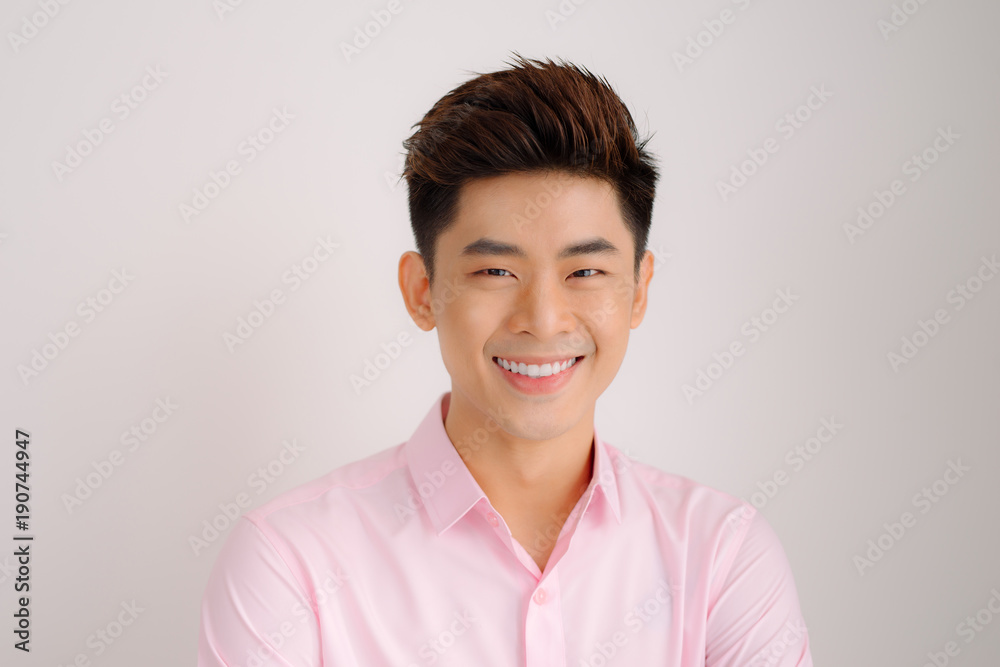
(623, 288)
(602, 311)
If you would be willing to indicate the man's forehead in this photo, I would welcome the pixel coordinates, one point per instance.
(516, 207)
(544, 182)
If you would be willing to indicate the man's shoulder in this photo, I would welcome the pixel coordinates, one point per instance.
(349, 482)
(681, 498)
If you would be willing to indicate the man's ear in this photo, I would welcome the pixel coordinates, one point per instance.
(416, 290)
(642, 289)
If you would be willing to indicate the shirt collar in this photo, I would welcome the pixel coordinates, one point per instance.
(447, 488)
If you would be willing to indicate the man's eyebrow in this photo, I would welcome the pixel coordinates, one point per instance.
(491, 247)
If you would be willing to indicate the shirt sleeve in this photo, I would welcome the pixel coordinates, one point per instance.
(756, 619)
(254, 611)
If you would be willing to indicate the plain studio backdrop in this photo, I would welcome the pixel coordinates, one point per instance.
(200, 224)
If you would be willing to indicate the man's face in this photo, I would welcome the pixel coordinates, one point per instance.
(537, 269)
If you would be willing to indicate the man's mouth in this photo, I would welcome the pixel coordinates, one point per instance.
(536, 370)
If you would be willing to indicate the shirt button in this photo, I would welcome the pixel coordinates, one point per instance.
(492, 518)
(540, 596)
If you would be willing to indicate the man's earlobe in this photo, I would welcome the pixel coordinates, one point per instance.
(415, 288)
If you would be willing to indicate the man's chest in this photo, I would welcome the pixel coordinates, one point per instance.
(472, 597)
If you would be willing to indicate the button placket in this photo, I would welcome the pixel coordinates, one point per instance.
(543, 630)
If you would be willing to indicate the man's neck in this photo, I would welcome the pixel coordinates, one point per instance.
(533, 484)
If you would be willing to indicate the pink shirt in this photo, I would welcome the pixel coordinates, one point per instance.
(400, 560)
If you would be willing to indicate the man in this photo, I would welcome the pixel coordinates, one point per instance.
(505, 531)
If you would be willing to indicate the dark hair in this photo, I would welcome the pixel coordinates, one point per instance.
(535, 116)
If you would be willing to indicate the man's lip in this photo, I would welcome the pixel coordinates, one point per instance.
(539, 360)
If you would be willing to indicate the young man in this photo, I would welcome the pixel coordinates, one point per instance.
(505, 531)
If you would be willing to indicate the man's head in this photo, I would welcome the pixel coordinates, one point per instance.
(537, 116)
(531, 199)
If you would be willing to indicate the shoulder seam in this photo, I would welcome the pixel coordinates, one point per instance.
(258, 511)
(284, 561)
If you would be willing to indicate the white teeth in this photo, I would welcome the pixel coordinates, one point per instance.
(535, 370)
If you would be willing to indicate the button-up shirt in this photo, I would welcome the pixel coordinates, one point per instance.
(399, 559)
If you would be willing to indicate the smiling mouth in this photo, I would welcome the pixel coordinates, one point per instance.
(536, 370)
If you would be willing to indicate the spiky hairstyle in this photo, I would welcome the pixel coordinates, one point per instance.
(537, 116)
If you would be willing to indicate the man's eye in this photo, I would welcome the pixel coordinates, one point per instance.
(575, 273)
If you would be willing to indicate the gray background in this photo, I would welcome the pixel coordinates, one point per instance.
(331, 173)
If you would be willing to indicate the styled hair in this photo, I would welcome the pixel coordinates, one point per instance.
(534, 117)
